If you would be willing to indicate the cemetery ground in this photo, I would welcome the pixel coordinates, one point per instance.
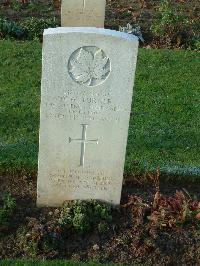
(173, 24)
(49, 263)
(154, 225)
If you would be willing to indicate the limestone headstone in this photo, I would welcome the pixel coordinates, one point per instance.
(83, 13)
(87, 86)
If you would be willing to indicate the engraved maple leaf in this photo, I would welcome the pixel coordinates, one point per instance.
(88, 66)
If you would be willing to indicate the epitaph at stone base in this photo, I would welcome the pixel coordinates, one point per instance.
(87, 86)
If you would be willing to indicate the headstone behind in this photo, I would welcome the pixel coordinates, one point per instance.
(87, 86)
(83, 13)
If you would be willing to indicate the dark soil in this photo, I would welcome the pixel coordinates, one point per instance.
(131, 238)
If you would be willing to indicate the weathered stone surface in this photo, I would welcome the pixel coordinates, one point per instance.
(87, 86)
(83, 13)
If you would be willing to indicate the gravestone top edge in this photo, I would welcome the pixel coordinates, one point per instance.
(106, 32)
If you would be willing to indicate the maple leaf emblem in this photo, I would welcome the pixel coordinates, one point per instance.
(89, 67)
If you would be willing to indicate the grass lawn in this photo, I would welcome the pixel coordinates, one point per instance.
(165, 120)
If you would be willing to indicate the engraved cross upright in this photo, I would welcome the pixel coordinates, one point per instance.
(83, 142)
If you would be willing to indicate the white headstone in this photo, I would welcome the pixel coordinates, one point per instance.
(87, 86)
(83, 13)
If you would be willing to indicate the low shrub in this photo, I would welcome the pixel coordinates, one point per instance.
(174, 211)
(83, 216)
(31, 28)
(7, 207)
(16, 5)
(164, 211)
(11, 29)
(172, 28)
(49, 234)
(34, 27)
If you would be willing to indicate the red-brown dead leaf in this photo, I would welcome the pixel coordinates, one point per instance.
(198, 216)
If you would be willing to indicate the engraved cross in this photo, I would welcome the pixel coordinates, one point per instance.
(83, 142)
(84, 4)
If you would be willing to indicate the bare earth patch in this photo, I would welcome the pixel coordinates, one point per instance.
(131, 238)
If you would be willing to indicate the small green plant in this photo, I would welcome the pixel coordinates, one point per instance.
(83, 216)
(30, 29)
(194, 43)
(33, 7)
(11, 29)
(7, 207)
(103, 227)
(125, 240)
(166, 19)
(16, 5)
(172, 27)
(49, 235)
(34, 27)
